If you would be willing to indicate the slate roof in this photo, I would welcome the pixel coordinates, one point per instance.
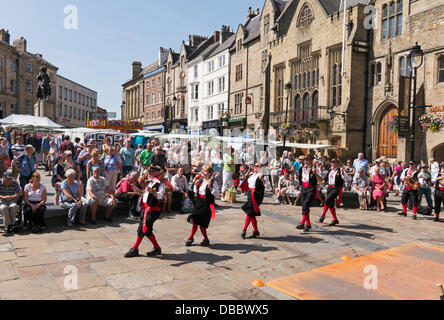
(252, 29)
(224, 46)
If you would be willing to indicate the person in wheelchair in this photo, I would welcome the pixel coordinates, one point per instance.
(10, 192)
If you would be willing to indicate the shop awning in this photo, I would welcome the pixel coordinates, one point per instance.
(26, 120)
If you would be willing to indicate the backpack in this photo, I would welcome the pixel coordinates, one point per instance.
(426, 211)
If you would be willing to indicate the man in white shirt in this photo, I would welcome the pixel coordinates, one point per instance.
(99, 194)
(180, 190)
(434, 169)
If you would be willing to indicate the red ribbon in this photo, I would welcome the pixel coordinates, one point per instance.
(253, 199)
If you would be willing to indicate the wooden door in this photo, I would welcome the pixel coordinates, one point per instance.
(388, 140)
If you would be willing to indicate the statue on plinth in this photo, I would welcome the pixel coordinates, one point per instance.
(43, 89)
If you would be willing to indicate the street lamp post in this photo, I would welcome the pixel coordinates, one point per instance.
(416, 58)
(288, 92)
(173, 112)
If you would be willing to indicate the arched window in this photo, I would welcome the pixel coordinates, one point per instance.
(295, 81)
(306, 102)
(313, 79)
(402, 67)
(372, 75)
(314, 104)
(409, 68)
(308, 79)
(441, 69)
(304, 81)
(300, 82)
(297, 107)
(392, 19)
(378, 73)
(317, 77)
(399, 17)
(385, 21)
(305, 17)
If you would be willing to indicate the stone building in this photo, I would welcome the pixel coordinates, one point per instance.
(132, 96)
(177, 82)
(400, 25)
(18, 77)
(74, 103)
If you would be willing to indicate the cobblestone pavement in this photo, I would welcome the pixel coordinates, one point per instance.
(32, 266)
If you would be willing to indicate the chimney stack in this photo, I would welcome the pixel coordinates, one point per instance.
(4, 36)
(225, 33)
(137, 68)
(20, 44)
(216, 36)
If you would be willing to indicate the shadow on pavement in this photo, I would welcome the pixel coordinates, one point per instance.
(244, 248)
(366, 227)
(191, 257)
(291, 238)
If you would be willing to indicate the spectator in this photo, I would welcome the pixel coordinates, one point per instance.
(129, 192)
(127, 154)
(361, 185)
(349, 174)
(298, 164)
(34, 196)
(293, 193)
(158, 158)
(281, 191)
(83, 159)
(113, 166)
(99, 194)
(360, 163)
(58, 175)
(434, 168)
(66, 145)
(17, 150)
(105, 146)
(172, 165)
(145, 157)
(10, 192)
(288, 162)
(4, 155)
(425, 181)
(228, 171)
(396, 177)
(275, 166)
(46, 146)
(379, 188)
(181, 190)
(137, 156)
(70, 164)
(72, 199)
(26, 164)
(379, 166)
(218, 167)
(95, 162)
(52, 154)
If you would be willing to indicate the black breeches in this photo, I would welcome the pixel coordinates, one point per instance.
(307, 199)
(131, 198)
(439, 200)
(332, 194)
(146, 223)
(410, 194)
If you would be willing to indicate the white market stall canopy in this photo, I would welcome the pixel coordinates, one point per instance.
(306, 146)
(146, 133)
(174, 136)
(25, 120)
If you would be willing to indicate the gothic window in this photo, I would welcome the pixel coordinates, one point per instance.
(266, 24)
(372, 75)
(297, 107)
(441, 69)
(402, 67)
(378, 73)
(279, 89)
(305, 17)
(335, 78)
(392, 19)
(306, 102)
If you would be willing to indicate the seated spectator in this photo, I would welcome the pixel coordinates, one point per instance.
(95, 162)
(72, 198)
(158, 158)
(52, 154)
(10, 192)
(58, 175)
(129, 192)
(181, 190)
(99, 194)
(293, 192)
(35, 203)
(281, 191)
(361, 186)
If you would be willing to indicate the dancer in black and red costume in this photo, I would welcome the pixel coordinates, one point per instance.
(335, 184)
(413, 193)
(152, 200)
(255, 196)
(206, 190)
(439, 195)
(309, 191)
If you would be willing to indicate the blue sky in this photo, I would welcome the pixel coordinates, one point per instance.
(112, 34)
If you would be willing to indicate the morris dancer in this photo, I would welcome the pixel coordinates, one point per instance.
(152, 200)
(206, 190)
(335, 185)
(309, 191)
(255, 196)
(439, 195)
(410, 179)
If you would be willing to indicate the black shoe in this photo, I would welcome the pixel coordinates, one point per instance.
(436, 219)
(132, 253)
(335, 222)
(244, 234)
(300, 227)
(189, 242)
(307, 228)
(109, 220)
(9, 230)
(93, 222)
(205, 243)
(255, 235)
(414, 217)
(402, 214)
(154, 252)
(321, 219)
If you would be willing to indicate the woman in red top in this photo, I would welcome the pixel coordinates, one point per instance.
(129, 192)
(379, 189)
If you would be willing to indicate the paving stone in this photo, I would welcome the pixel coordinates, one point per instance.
(28, 288)
(85, 281)
(33, 251)
(69, 245)
(188, 290)
(138, 279)
(96, 293)
(58, 269)
(31, 271)
(7, 271)
(35, 260)
(10, 255)
(5, 247)
(147, 293)
(18, 244)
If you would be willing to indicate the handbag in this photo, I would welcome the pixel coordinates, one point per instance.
(230, 196)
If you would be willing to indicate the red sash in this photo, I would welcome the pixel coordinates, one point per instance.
(244, 186)
(441, 189)
(253, 199)
(213, 211)
(148, 209)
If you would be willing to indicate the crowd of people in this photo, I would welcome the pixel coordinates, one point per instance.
(189, 178)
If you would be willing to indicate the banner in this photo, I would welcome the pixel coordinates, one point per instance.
(404, 107)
